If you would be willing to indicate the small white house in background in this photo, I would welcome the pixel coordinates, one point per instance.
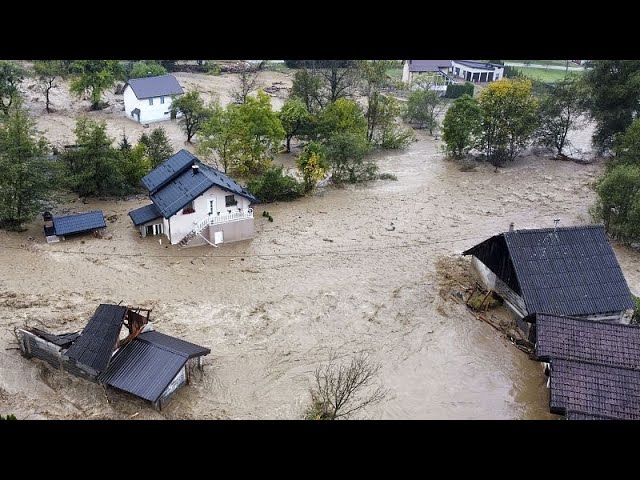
(149, 99)
(194, 204)
(477, 72)
(437, 72)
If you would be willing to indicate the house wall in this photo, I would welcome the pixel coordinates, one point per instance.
(148, 113)
(180, 224)
(490, 281)
(406, 76)
(232, 231)
(498, 72)
(178, 381)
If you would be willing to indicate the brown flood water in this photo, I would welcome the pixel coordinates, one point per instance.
(345, 270)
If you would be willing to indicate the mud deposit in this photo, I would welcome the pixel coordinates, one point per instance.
(346, 269)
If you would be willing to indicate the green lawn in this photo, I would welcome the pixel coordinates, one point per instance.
(395, 73)
(561, 63)
(544, 75)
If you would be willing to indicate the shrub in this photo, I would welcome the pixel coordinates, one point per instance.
(457, 90)
(275, 185)
(387, 176)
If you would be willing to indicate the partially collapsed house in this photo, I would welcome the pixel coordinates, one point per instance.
(564, 271)
(143, 362)
(194, 204)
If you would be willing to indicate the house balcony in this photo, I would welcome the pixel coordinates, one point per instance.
(214, 219)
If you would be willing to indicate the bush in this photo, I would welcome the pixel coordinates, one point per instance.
(275, 185)
(457, 90)
(8, 417)
(387, 176)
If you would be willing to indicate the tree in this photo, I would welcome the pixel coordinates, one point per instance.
(618, 203)
(423, 108)
(157, 146)
(627, 146)
(48, 73)
(248, 78)
(342, 116)
(340, 78)
(387, 133)
(221, 136)
(374, 79)
(149, 68)
(194, 112)
(293, 117)
(462, 126)
(26, 176)
(10, 77)
(509, 119)
(92, 166)
(346, 151)
(342, 390)
(273, 185)
(614, 98)
(93, 77)
(560, 110)
(132, 165)
(306, 87)
(313, 165)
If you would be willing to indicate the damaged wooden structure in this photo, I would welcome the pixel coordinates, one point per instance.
(143, 362)
(57, 228)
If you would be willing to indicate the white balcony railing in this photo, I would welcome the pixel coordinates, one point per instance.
(222, 218)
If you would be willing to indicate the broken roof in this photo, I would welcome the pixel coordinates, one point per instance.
(78, 223)
(585, 340)
(98, 340)
(564, 271)
(594, 390)
(428, 65)
(146, 366)
(145, 214)
(155, 86)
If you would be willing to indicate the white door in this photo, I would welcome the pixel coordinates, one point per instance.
(212, 206)
(217, 237)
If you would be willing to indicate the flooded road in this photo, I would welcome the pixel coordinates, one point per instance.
(344, 270)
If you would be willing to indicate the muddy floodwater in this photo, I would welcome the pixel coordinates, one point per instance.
(345, 270)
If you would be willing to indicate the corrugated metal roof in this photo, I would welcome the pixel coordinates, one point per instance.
(145, 214)
(147, 365)
(428, 65)
(566, 271)
(168, 170)
(587, 340)
(155, 86)
(62, 339)
(98, 340)
(594, 390)
(78, 223)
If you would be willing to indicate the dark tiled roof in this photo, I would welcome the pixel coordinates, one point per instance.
(146, 366)
(145, 214)
(98, 340)
(62, 340)
(155, 86)
(595, 390)
(479, 65)
(428, 65)
(78, 223)
(169, 169)
(587, 340)
(566, 271)
(586, 416)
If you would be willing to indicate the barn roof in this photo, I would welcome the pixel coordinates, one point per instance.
(146, 366)
(78, 223)
(98, 340)
(155, 86)
(585, 340)
(145, 214)
(428, 65)
(564, 271)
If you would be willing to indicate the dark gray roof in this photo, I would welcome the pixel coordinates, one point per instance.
(567, 271)
(479, 65)
(98, 340)
(587, 340)
(155, 86)
(594, 390)
(62, 340)
(145, 214)
(571, 415)
(146, 366)
(428, 65)
(185, 186)
(169, 169)
(78, 223)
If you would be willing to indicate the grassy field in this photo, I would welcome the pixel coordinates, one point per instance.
(395, 73)
(561, 63)
(544, 75)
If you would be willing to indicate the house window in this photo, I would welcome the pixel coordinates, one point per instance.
(151, 101)
(230, 201)
(188, 208)
(161, 99)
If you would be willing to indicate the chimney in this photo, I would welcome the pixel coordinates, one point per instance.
(195, 169)
(511, 227)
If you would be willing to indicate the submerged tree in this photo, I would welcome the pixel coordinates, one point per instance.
(312, 164)
(157, 146)
(293, 117)
(248, 78)
(150, 68)
(48, 73)
(10, 77)
(423, 107)
(93, 77)
(193, 110)
(462, 126)
(221, 137)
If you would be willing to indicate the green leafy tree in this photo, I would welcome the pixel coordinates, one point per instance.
(374, 80)
(10, 77)
(133, 164)
(273, 185)
(347, 151)
(509, 118)
(92, 166)
(627, 146)
(423, 107)
(342, 116)
(312, 164)
(387, 133)
(306, 87)
(293, 117)
(26, 175)
(93, 77)
(340, 77)
(618, 203)
(48, 73)
(462, 126)
(560, 111)
(149, 68)
(614, 98)
(194, 112)
(157, 146)
(221, 137)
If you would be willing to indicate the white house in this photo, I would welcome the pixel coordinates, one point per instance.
(477, 72)
(194, 204)
(149, 99)
(437, 72)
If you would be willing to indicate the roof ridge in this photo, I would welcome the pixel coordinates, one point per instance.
(587, 362)
(590, 226)
(600, 322)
